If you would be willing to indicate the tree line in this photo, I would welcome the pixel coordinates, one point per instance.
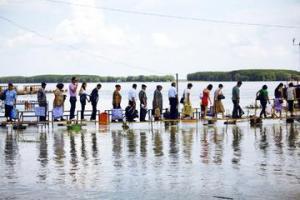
(246, 75)
(85, 78)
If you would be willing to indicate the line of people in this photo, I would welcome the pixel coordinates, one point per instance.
(281, 93)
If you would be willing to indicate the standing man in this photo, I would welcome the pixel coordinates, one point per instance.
(94, 97)
(73, 90)
(291, 97)
(132, 97)
(173, 100)
(42, 100)
(117, 97)
(143, 103)
(10, 101)
(237, 110)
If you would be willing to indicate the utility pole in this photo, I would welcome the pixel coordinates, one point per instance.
(177, 83)
(295, 44)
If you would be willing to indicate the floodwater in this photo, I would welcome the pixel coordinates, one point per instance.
(189, 161)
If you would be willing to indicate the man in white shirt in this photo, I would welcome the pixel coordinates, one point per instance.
(291, 97)
(132, 96)
(173, 99)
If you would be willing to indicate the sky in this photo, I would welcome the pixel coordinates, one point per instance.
(46, 37)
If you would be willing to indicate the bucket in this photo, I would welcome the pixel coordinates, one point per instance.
(103, 118)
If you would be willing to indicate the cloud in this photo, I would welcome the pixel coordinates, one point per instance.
(88, 26)
(163, 40)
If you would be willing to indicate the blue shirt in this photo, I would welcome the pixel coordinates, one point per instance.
(10, 97)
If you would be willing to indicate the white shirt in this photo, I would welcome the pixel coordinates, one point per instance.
(132, 95)
(217, 93)
(172, 92)
(186, 93)
(290, 93)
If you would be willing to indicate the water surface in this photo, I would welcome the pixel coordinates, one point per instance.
(189, 161)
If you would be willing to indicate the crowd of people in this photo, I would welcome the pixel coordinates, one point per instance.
(281, 94)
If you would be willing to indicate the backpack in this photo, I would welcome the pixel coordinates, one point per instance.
(3, 95)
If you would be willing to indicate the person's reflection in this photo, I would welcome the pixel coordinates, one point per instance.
(59, 146)
(59, 155)
(263, 144)
(143, 142)
(278, 136)
(83, 147)
(117, 148)
(237, 137)
(173, 143)
(131, 142)
(218, 141)
(292, 136)
(73, 157)
(11, 152)
(158, 144)
(94, 148)
(43, 156)
(187, 141)
(204, 147)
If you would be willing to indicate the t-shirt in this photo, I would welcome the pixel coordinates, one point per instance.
(172, 92)
(132, 95)
(143, 97)
(72, 89)
(264, 94)
(10, 97)
(217, 93)
(235, 93)
(290, 94)
(186, 93)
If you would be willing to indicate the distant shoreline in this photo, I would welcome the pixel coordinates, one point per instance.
(84, 78)
(250, 75)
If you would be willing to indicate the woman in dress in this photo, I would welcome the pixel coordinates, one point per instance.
(278, 93)
(187, 111)
(218, 105)
(157, 104)
(58, 103)
(205, 100)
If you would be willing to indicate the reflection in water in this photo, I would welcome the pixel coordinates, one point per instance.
(237, 137)
(173, 152)
(158, 144)
(128, 166)
(11, 152)
(117, 148)
(218, 141)
(292, 136)
(43, 156)
(73, 157)
(187, 141)
(59, 155)
(204, 147)
(95, 148)
(278, 136)
(83, 148)
(131, 142)
(143, 144)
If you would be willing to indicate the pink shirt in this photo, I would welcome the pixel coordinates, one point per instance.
(72, 89)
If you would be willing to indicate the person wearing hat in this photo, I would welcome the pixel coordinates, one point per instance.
(143, 103)
(42, 100)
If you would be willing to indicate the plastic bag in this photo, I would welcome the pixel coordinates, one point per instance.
(116, 114)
